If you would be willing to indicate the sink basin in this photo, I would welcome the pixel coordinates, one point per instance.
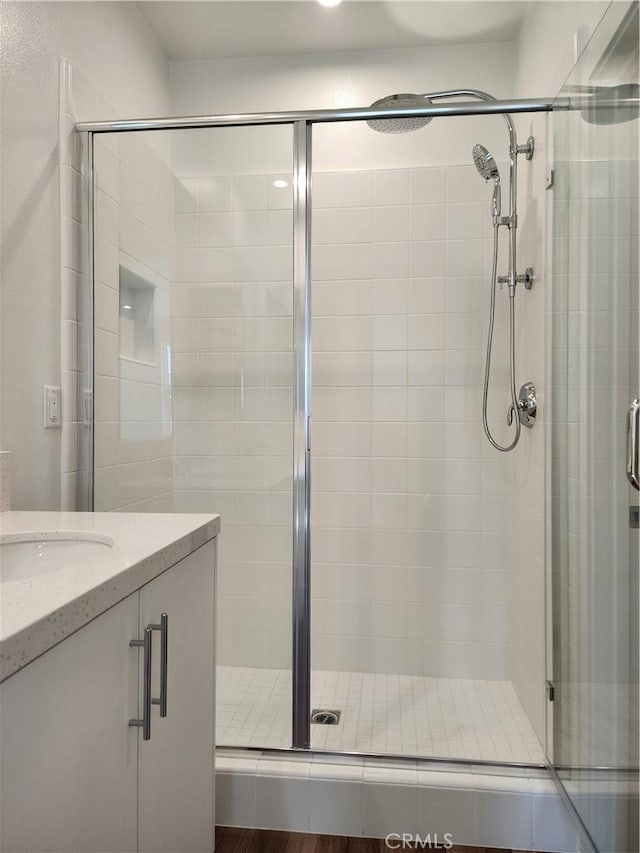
(26, 555)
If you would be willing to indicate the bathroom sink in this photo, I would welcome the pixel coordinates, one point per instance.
(26, 555)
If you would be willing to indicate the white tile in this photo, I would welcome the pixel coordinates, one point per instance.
(428, 222)
(342, 225)
(344, 368)
(389, 404)
(282, 803)
(217, 265)
(186, 230)
(389, 368)
(427, 295)
(279, 197)
(389, 332)
(391, 224)
(186, 195)
(427, 186)
(427, 258)
(235, 799)
(214, 193)
(504, 820)
(465, 257)
(466, 221)
(465, 185)
(425, 367)
(389, 296)
(425, 404)
(425, 439)
(463, 331)
(215, 230)
(249, 192)
(553, 826)
(390, 186)
(390, 260)
(389, 808)
(335, 807)
(447, 810)
(355, 189)
(426, 331)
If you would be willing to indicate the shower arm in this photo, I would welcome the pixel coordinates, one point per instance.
(511, 221)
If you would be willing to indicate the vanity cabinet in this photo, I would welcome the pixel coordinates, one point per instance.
(75, 775)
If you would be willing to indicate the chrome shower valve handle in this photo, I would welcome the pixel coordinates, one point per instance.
(527, 406)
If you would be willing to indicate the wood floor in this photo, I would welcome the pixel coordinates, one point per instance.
(230, 840)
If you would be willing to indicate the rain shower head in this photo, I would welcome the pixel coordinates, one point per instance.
(399, 125)
(484, 162)
(488, 169)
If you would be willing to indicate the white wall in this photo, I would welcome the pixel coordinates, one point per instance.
(346, 79)
(111, 45)
(546, 54)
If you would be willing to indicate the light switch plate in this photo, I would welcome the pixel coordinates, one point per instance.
(52, 407)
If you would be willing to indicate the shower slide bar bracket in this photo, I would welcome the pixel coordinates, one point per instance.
(525, 278)
(527, 149)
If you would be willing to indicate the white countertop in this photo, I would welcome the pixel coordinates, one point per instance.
(38, 612)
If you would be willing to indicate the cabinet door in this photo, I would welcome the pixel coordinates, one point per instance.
(68, 757)
(176, 811)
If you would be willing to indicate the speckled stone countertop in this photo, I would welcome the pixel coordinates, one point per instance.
(39, 611)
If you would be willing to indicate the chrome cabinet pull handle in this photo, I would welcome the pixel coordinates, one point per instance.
(633, 431)
(145, 722)
(163, 627)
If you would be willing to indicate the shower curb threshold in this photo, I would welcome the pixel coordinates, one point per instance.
(479, 805)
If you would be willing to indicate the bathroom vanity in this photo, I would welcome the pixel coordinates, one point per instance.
(107, 702)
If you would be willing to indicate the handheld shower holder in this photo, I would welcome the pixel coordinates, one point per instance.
(525, 278)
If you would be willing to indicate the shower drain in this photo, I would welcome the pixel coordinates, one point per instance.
(324, 717)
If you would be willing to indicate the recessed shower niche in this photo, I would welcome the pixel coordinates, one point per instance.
(144, 356)
(136, 316)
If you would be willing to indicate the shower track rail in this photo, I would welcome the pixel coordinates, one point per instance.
(466, 108)
(470, 108)
(302, 122)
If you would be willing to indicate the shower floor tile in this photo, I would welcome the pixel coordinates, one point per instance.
(397, 714)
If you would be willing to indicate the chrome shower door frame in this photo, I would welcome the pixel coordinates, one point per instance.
(301, 580)
(302, 123)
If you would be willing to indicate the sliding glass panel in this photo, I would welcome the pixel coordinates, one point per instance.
(193, 364)
(410, 540)
(594, 375)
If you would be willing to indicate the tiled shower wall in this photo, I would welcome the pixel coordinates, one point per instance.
(133, 420)
(232, 338)
(410, 515)
(134, 224)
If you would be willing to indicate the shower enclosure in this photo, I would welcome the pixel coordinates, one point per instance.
(234, 282)
(288, 326)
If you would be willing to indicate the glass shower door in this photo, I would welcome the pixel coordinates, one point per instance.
(194, 347)
(594, 375)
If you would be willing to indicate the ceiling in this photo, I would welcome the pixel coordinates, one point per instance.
(219, 29)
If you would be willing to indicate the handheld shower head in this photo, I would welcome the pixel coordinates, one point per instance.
(488, 169)
(484, 162)
(399, 125)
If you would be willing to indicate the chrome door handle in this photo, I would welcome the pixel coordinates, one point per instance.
(163, 627)
(633, 431)
(145, 722)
